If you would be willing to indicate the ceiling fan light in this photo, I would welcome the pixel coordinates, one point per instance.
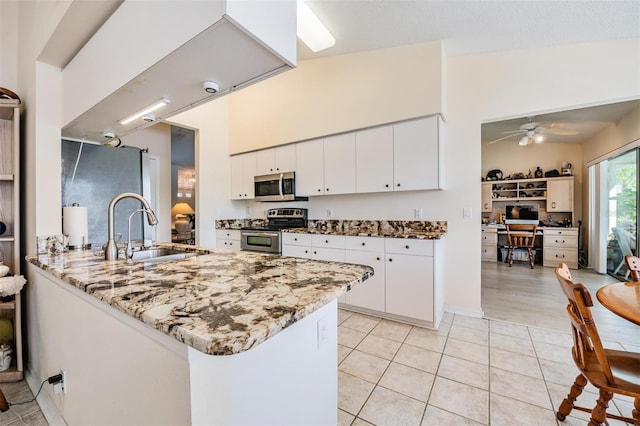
(524, 141)
(539, 138)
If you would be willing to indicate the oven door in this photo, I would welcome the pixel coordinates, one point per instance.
(263, 241)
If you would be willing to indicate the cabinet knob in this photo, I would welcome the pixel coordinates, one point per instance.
(319, 190)
(327, 190)
(390, 260)
(277, 169)
(378, 258)
(398, 184)
(270, 170)
(363, 244)
(560, 256)
(306, 251)
(326, 241)
(386, 186)
(245, 195)
(560, 241)
(315, 252)
(407, 247)
(295, 239)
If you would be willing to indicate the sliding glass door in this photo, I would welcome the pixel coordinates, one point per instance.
(622, 187)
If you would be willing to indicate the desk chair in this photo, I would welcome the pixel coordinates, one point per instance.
(523, 237)
(609, 370)
(633, 264)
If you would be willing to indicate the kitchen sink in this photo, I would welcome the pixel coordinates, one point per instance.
(161, 255)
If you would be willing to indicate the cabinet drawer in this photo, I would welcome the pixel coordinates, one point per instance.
(332, 254)
(553, 256)
(296, 239)
(409, 246)
(228, 234)
(364, 243)
(296, 251)
(561, 232)
(560, 241)
(489, 238)
(489, 252)
(328, 241)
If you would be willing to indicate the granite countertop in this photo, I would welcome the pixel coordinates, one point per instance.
(220, 302)
(425, 230)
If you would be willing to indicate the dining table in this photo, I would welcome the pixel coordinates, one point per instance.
(622, 298)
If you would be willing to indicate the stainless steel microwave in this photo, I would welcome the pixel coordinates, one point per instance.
(276, 187)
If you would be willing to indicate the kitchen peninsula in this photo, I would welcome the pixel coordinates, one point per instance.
(219, 338)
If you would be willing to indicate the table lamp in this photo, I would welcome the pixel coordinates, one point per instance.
(180, 210)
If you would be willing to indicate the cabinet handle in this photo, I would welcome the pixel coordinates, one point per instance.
(277, 169)
(363, 244)
(319, 190)
(560, 241)
(295, 239)
(560, 256)
(386, 186)
(486, 205)
(245, 195)
(398, 184)
(306, 251)
(326, 241)
(327, 189)
(378, 258)
(407, 247)
(553, 204)
(315, 252)
(270, 170)
(390, 260)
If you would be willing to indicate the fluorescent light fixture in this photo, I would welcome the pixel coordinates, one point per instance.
(311, 31)
(162, 102)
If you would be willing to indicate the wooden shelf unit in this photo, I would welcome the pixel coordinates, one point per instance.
(10, 216)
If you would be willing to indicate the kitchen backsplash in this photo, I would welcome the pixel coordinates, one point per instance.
(362, 226)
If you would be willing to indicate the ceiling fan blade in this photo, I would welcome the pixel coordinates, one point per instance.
(514, 131)
(502, 138)
(558, 131)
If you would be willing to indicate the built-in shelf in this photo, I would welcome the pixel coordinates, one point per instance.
(7, 239)
(8, 305)
(6, 177)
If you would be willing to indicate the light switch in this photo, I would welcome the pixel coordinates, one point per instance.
(323, 332)
(466, 213)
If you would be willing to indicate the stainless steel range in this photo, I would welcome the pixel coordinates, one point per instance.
(267, 239)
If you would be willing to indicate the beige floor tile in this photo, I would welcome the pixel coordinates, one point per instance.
(349, 337)
(447, 318)
(379, 346)
(517, 363)
(391, 330)
(35, 418)
(460, 399)
(435, 416)
(467, 350)
(407, 381)
(359, 422)
(509, 329)
(361, 322)
(386, 407)
(352, 392)
(508, 412)
(477, 323)
(551, 336)
(444, 327)
(12, 389)
(572, 421)
(343, 351)
(586, 399)
(344, 418)
(426, 339)
(624, 407)
(480, 337)
(558, 372)
(511, 344)
(463, 371)
(9, 417)
(419, 358)
(364, 366)
(520, 387)
(23, 409)
(553, 352)
(343, 315)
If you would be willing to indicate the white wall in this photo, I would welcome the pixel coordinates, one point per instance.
(8, 45)
(213, 173)
(158, 139)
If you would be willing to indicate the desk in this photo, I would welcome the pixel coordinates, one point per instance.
(622, 299)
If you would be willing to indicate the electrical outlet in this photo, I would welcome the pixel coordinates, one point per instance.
(323, 332)
(329, 213)
(61, 386)
(417, 213)
(248, 210)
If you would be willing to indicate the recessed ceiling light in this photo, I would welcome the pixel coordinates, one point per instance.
(156, 105)
(311, 30)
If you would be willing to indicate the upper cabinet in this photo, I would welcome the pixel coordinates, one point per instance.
(310, 171)
(487, 193)
(560, 195)
(339, 162)
(234, 43)
(276, 160)
(374, 159)
(243, 170)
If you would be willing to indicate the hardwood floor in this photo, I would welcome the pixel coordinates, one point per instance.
(533, 297)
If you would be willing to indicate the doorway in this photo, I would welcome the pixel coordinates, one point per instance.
(622, 191)
(183, 185)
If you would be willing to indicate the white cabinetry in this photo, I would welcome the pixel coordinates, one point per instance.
(339, 164)
(417, 154)
(276, 160)
(560, 195)
(560, 245)
(228, 239)
(487, 204)
(370, 252)
(310, 163)
(489, 244)
(374, 159)
(243, 170)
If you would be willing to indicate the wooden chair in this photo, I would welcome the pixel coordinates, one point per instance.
(633, 264)
(609, 370)
(521, 237)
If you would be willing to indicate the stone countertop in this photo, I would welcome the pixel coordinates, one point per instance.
(220, 302)
(425, 230)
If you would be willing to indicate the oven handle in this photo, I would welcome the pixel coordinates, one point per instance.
(280, 185)
(259, 234)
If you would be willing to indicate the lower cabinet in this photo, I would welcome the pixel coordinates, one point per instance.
(406, 286)
(489, 244)
(560, 245)
(228, 239)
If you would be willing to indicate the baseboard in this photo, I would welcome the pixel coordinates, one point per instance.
(48, 408)
(466, 312)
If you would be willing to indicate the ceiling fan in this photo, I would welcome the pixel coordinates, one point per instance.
(533, 132)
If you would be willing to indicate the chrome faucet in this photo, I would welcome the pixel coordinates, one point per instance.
(128, 251)
(111, 249)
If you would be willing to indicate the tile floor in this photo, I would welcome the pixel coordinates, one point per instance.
(24, 414)
(470, 372)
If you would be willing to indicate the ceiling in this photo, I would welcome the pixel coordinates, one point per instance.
(586, 122)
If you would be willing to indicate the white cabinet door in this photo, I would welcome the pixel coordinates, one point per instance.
(369, 294)
(310, 164)
(487, 203)
(417, 154)
(296, 251)
(560, 195)
(265, 161)
(321, 253)
(340, 164)
(243, 170)
(409, 286)
(286, 158)
(374, 159)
